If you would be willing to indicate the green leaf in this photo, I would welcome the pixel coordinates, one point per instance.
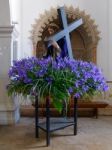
(58, 105)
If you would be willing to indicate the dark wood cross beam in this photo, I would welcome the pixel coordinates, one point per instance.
(66, 29)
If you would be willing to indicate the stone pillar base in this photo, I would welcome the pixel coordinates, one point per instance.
(9, 106)
(9, 117)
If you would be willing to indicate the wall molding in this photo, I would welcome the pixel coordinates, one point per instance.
(6, 31)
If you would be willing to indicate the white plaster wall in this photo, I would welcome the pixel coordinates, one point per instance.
(98, 9)
(110, 40)
(15, 10)
(16, 20)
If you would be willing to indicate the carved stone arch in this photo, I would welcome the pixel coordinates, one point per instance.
(87, 34)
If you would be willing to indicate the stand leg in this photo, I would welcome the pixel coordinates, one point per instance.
(75, 116)
(36, 118)
(96, 113)
(47, 122)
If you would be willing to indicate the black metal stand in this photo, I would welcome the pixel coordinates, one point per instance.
(36, 118)
(75, 116)
(52, 124)
(47, 122)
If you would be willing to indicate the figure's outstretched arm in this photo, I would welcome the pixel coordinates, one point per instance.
(56, 46)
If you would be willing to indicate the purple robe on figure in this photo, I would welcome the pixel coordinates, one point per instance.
(63, 45)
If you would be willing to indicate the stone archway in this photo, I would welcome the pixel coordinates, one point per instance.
(84, 40)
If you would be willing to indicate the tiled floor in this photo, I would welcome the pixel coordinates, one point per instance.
(93, 134)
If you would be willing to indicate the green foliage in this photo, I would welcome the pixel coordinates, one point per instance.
(55, 79)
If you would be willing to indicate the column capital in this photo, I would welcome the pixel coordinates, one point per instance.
(8, 31)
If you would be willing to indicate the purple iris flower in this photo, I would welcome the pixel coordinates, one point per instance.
(85, 76)
(77, 95)
(70, 90)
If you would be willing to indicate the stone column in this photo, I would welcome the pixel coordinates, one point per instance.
(9, 107)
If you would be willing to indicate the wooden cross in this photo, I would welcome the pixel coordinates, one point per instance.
(66, 29)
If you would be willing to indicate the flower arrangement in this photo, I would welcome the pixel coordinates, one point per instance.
(58, 79)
